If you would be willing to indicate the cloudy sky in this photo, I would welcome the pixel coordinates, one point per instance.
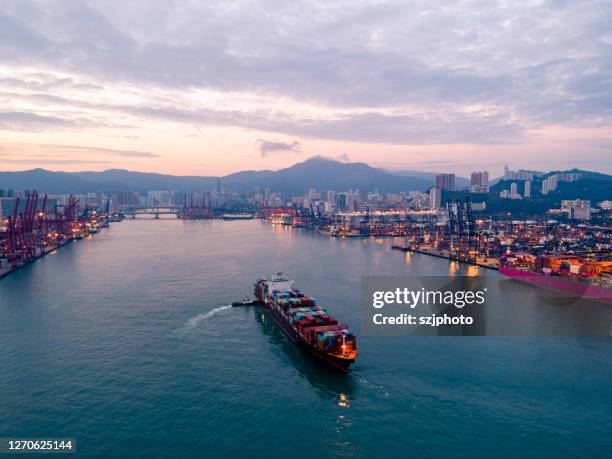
(193, 87)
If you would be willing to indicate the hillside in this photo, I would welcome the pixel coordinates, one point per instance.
(320, 173)
(594, 187)
(326, 174)
(84, 182)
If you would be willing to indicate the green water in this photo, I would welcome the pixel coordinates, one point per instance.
(125, 342)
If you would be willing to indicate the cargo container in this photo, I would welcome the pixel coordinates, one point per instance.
(305, 323)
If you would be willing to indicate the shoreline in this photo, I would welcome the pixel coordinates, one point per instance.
(441, 254)
(4, 272)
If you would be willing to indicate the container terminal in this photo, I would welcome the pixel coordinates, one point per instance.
(34, 230)
(573, 257)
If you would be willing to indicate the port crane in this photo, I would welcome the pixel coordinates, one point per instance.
(463, 237)
(473, 236)
(30, 231)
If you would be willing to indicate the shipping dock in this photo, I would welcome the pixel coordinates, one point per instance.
(571, 274)
(32, 231)
(306, 324)
(489, 262)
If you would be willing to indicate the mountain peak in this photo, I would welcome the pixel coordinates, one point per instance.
(318, 159)
(325, 173)
(320, 172)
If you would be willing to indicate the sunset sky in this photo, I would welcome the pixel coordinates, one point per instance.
(210, 88)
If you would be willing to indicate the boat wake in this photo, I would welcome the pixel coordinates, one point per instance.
(196, 320)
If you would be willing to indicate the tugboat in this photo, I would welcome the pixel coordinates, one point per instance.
(305, 323)
(246, 301)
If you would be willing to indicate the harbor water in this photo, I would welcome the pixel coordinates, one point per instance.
(126, 342)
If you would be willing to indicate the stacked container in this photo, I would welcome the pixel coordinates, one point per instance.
(309, 320)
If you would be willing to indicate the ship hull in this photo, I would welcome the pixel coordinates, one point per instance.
(334, 362)
(567, 286)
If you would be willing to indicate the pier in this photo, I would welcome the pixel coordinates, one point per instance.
(32, 231)
(5, 271)
(489, 262)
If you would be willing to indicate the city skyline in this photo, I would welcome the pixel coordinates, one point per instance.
(214, 89)
(320, 228)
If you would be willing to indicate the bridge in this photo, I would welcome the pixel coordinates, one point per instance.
(155, 212)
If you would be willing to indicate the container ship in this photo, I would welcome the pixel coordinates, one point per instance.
(567, 274)
(305, 323)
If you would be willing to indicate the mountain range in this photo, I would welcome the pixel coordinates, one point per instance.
(318, 172)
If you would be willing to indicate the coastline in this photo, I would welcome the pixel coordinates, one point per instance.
(4, 272)
(491, 263)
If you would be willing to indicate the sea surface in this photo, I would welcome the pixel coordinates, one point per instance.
(125, 341)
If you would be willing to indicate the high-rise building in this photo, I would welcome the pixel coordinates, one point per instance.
(569, 176)
(445, 182)
(435, 198)
(512, 193)
(527, 192)
(550, 184)
(521, 174)
(341, 200)
(479, 182)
